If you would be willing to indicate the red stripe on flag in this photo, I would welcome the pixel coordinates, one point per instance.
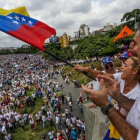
(35, 35)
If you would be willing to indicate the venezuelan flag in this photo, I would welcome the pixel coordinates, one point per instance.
(17, 23)
(112, 134)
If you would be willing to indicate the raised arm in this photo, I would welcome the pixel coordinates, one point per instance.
(92, 72)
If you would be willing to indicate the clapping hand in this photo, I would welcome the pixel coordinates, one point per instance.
(112, 87)
(100, 98)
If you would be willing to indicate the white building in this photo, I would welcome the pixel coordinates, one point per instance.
(73, 46)
(108, 27)
(84, 31)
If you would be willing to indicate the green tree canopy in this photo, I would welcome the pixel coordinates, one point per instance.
(131, 15)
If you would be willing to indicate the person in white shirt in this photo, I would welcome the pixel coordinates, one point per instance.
(51, 134)
(78, 122)
(50, 119)
(68, 122)
(63, 116)
(3, 130)
(109, 68)
(66, 111)
(58, 122)
(73, 120)
(70, 105)
(57, 87)
(25, 117)
(83, 126)
(68, 99)
(17, 118)
(44, 119)
(11, 127)
(7, 136)
(34, 96)
(32, 123)
(37, 118)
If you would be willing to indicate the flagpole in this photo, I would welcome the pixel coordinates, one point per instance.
(67, 63)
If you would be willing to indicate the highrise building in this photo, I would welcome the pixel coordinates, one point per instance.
(64, 40)
(83, 31)
(108, 26)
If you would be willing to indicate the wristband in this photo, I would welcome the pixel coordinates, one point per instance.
(87, 69)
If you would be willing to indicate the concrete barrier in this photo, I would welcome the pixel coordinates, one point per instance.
(96, 124)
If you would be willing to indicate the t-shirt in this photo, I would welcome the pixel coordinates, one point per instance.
(73, 119)
(25, 116)
(78, 123)
(51, 134)
(66, 110)
(6, 138)
(133, 117)
(73, 135)
(57, 120)
(133, 94)
(44, 118)
(32, 121)
(17, 117)
(10, 124)
(70, 103)
(4, 129)
(68, 122)
(96, 84)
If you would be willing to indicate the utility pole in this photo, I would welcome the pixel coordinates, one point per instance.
(75, 37)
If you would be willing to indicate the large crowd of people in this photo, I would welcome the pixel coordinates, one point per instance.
(18, 74)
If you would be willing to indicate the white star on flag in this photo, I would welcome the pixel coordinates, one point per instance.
(30, 22)
(23, 19)
(16, 17)
(15, 22)
(9, 17)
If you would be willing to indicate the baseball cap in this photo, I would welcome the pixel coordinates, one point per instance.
(106, 60)
(125, 55)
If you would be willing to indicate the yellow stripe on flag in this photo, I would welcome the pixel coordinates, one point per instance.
(113, 132)
(20, 10)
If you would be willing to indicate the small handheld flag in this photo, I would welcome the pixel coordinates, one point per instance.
(125, 32)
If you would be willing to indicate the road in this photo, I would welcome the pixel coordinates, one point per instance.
(69, 88)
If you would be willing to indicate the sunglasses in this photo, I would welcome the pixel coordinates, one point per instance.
(107, 67)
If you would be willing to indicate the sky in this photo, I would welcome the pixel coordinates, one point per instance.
(68, 15)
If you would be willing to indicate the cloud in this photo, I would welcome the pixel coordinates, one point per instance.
(67, 16)
(80, 6)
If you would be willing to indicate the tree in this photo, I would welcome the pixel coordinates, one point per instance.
(131, 15)
(55, 48)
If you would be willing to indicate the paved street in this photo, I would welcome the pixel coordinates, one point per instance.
(69, 88)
